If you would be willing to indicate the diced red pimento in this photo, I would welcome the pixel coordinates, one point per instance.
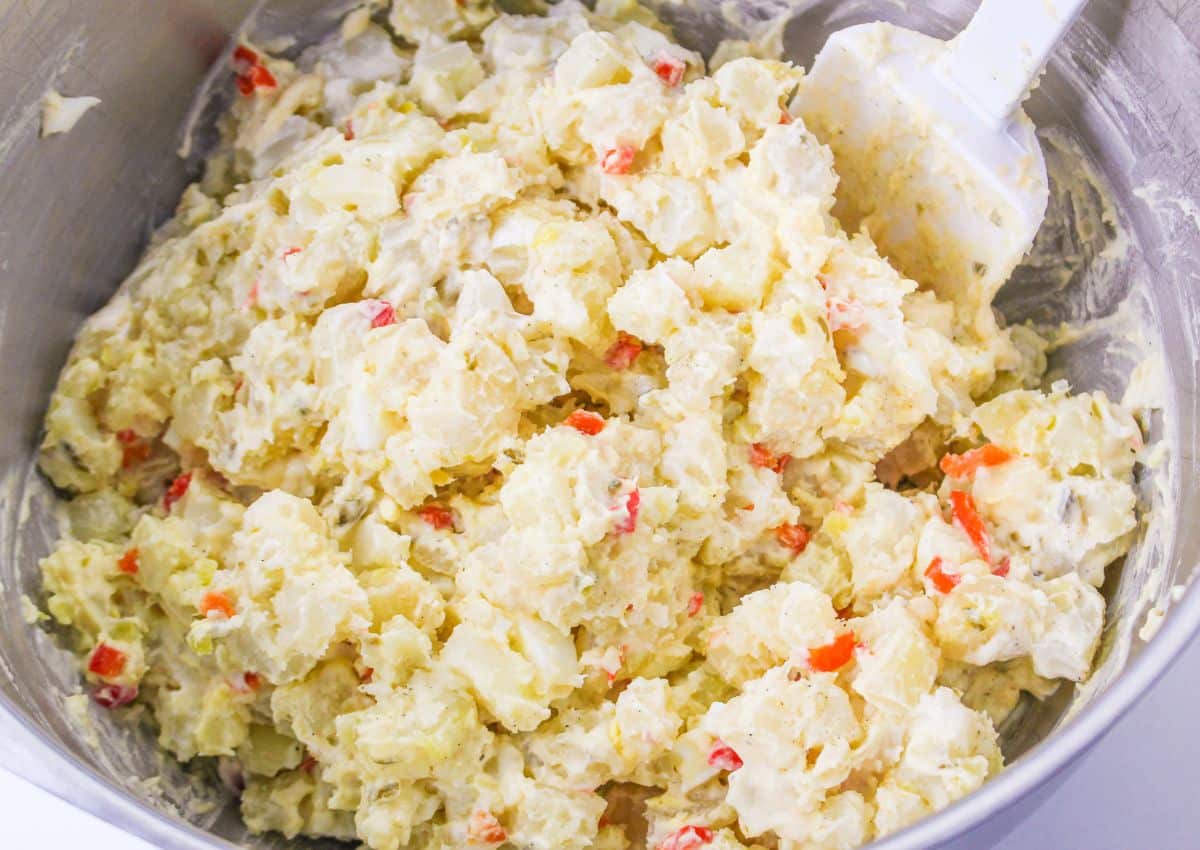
(763, 458)
(723, 757)
(484, 828)
(107, 661)
(217, 604)
(254, 78)
(128, 563)
(244, 55)
(942, 580)
(291, 252)
(695, 604)
(348, 133)
(246, 683)
(253, 680)
(176, 491)
(251, 73)
(623, 352)
(1001, 569)
(368, 675)
(785, 117)
(438, 516)
(134, 449)
(633, 504)
(834, 655)
(966, 464)
(967, 517)
(618, 160)
(261, 78)
(687, 838)
(794, 537)
(669, 69)
(382, 314)
(114, 696)
(585, 422)
(845, 613)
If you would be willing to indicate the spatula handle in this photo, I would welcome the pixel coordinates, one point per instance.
(995, 60)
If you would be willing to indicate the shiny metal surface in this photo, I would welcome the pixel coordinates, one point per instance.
(76, 209)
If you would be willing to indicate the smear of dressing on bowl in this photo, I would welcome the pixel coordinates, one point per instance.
(60, 114)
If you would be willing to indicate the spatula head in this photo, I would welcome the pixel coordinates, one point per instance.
(951, 200)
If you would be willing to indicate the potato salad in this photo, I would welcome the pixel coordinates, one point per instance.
(505, 446)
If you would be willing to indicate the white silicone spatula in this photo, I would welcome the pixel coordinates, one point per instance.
(935, 155)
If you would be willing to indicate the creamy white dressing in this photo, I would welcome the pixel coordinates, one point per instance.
(497, 423)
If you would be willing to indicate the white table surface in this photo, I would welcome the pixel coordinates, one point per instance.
(1138, 789)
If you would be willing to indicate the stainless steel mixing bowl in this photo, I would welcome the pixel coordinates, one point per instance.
(1121, 120)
